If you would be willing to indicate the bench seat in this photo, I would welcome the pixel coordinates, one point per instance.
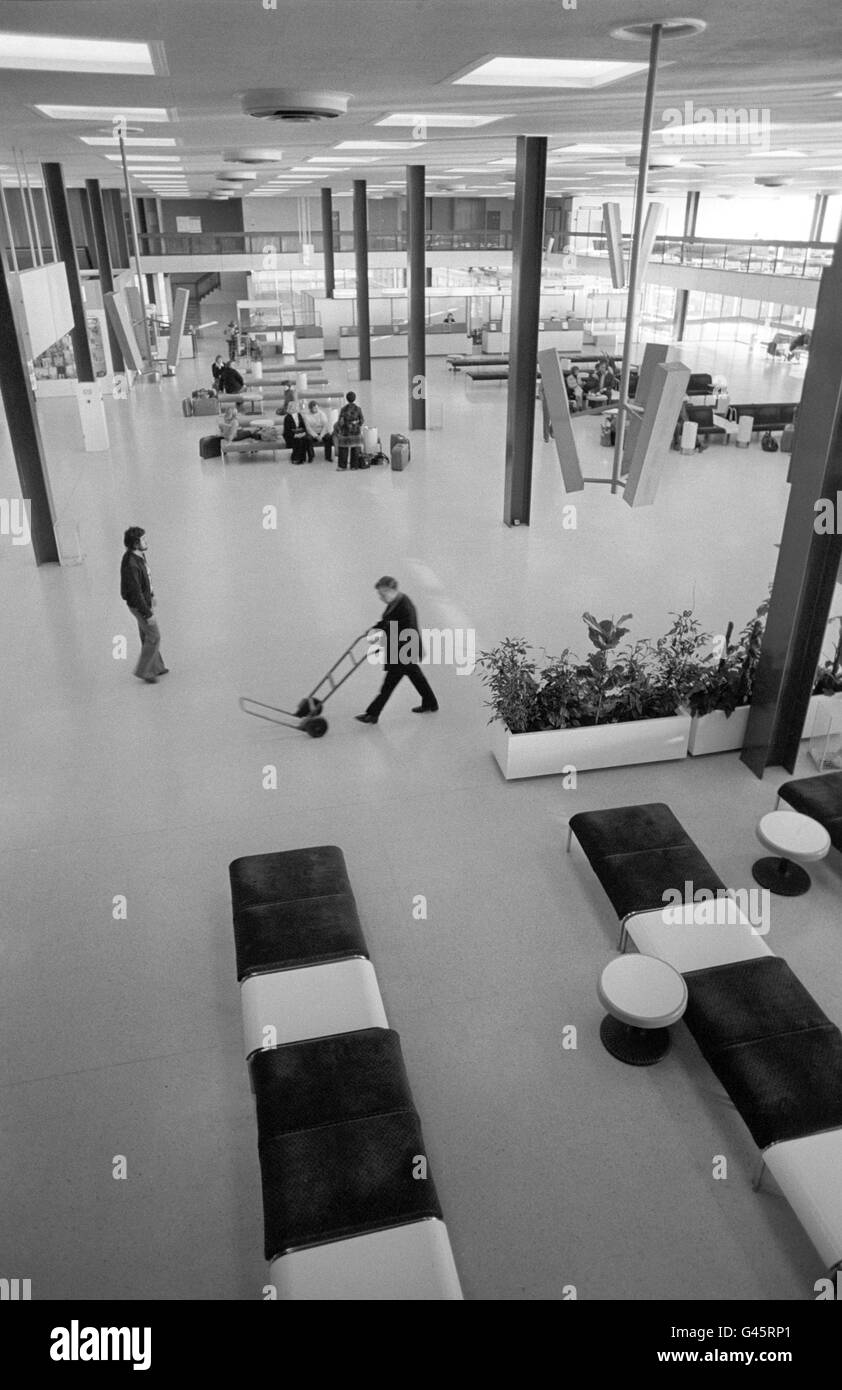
(820, 798)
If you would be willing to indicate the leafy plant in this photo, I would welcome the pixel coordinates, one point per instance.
(612, 685)
(509, 674)
(727, 684)
(829, 675)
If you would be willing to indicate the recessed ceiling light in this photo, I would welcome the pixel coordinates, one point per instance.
(586, 149)
(547, 72)
(49, 53)
(328, 169)
(778, 154)
(438, 118)
(467, 169)
(145, 158)
(152, 114)
(378, 144)
(344, 159)
(112, 142)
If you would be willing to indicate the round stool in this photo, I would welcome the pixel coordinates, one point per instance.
(792, 836)
(643, 996)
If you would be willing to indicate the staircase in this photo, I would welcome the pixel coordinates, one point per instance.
(198, 288)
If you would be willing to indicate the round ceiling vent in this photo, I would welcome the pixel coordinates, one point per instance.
(772, 181)
(241, 176)
(670, 29)
(656, 161)
(283, 104)
(253, 154)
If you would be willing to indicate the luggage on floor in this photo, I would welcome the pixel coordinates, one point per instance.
(399, 451)
(205, 405)
(608, 431)
(769, 443)
(210, 447)
(787, 439)
(203, 392)
(371, 440)
(187, 406)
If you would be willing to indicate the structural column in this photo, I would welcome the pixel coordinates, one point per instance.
(810, 551)
(417, 300)
(327, 243)
(682, 298)
(817, 223)
(527, 251)
(66, 251)
(21, 417)
(112, 204)
(361, 266)
(103, 260)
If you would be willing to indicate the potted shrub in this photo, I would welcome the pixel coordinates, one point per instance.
(827, 689)
(615, 708)
(720, 700)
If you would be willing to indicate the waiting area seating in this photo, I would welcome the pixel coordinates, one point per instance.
(820, 798)
(350, 1210)
(770, 1044)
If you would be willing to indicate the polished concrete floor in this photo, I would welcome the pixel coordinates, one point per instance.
(122, 1037)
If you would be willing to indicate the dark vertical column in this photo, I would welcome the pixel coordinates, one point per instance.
(682, 297)
(415, 256)
(103, 260)
(808, 560)
(57, 195)
(327, 243)
(140, 213)
(115, 221)
(87, 226)
(817, 222)
(21, 417)
(527, 232)
(361, 266)
(428, 276)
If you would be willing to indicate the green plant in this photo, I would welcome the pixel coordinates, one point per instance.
(727, 684)
(509, 674)
(829, 675)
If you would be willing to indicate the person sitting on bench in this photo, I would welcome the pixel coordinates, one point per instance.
(231, 429)
(229, 380)
(318, 431)
(801, 341)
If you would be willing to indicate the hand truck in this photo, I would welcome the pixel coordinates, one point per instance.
(307, 717)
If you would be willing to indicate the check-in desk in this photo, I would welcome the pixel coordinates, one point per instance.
(309, 343)
(553, 334)
(493, 338)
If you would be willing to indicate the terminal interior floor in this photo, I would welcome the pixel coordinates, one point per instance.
(554, 1167)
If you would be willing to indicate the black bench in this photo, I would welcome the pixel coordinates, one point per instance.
(820, 798)
(769, 415)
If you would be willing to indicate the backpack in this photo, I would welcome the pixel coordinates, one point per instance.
(768, 443)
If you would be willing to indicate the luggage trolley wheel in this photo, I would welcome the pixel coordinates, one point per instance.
(315, 726)
(308, 707)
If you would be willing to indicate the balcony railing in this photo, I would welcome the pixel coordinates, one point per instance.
(290, 243)
(801, 259)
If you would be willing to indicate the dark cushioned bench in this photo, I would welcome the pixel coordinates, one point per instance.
(769, 415)
(638, 852)
(339, 1139)
(819, 797)
(293, 908)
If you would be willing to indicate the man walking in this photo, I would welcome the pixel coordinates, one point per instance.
(136, 589)
(403, 651)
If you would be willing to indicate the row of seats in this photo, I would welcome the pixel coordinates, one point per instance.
(350, 1207)
(770, 1044)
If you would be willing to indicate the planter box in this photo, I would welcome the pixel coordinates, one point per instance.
(601, 745)
(715, 733)
(818, 702)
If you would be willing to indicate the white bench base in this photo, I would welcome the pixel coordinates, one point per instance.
(312, 1002)
(403, 1263)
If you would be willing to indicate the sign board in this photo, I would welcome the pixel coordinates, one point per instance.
(188, 224)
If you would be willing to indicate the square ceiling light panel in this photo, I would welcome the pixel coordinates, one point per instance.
(146, 158)
(58, 53)
(547, 72)
(444, 119)
(152, 115)
(378, 144)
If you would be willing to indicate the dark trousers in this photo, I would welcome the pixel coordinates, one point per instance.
(395, 674)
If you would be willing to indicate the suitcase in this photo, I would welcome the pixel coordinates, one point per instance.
(399, 451)
(210, 447)
(205, 405)
(371, 440)
(787, 439)
(187, 406)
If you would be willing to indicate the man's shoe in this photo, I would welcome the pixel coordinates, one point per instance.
(366, 718)
(165, 671)
(151, 680)
(425, 709)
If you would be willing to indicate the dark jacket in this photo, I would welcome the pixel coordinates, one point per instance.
(134, 583)
(230, 381)
(400, 624)
(350, 423)
(293, 425)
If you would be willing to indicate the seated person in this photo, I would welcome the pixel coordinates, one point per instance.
(318, 432)
(230, 381)
(575, 389)
(801, 341)
(297, 438)
(231, 429)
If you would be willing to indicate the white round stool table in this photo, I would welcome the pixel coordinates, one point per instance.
(792, 837)
(643, 996)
